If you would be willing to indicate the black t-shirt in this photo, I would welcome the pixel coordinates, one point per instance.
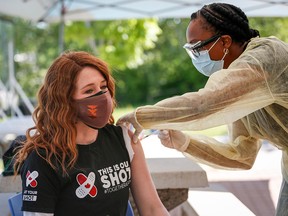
(97, 185)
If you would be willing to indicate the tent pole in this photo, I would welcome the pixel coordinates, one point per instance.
(61, 28)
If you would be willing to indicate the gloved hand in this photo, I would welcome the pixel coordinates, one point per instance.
(174, 139)
(130, 118)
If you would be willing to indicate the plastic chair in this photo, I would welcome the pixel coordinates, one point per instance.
(129, 210)
(15, 204)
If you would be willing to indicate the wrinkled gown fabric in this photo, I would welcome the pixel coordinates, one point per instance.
(251, 96)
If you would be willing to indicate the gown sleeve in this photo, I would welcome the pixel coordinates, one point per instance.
(250, 96)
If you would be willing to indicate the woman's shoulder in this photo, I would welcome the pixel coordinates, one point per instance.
(36, 156)
(270, 41)
(110, 128)
(263, 49)
(117, 129)
(122, 133)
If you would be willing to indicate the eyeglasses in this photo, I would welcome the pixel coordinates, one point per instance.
(195, 48)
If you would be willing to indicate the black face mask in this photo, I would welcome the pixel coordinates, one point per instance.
(95, 110)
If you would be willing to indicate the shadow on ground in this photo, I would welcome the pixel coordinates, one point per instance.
(254, 194)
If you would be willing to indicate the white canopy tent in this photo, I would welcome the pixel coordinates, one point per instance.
(55, 10)
(88, 10)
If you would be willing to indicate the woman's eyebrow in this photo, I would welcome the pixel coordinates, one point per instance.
(91, 84)
(87, 85)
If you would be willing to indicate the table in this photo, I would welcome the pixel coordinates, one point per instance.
(176, 173)
(173, 177)
(172, 173)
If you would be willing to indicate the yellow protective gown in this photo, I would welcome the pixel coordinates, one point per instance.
(251, 96)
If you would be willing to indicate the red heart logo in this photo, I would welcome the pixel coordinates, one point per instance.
(87, 185)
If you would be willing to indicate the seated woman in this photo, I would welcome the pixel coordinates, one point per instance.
(75, 161)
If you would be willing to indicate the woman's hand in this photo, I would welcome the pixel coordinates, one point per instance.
(130, 118)
(174, 139)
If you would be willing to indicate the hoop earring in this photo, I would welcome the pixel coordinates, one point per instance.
(226, 51)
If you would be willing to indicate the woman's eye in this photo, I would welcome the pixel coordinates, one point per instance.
(89, 91)
(104, 87)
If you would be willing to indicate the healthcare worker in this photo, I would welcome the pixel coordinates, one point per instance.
(247, 89)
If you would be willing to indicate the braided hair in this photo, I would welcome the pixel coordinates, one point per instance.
(226, 19)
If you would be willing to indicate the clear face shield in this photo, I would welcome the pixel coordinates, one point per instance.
(194, 49)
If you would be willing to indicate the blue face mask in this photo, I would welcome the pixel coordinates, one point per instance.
(204, 64)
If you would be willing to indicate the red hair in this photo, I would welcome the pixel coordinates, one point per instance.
(55, 115)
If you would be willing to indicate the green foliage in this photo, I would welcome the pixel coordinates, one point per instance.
(36, 48)
(267, 26)
(167, 71)
(146, 56)
(6, 31)
(121, 43)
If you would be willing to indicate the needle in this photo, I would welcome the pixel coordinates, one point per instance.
(154, 132)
